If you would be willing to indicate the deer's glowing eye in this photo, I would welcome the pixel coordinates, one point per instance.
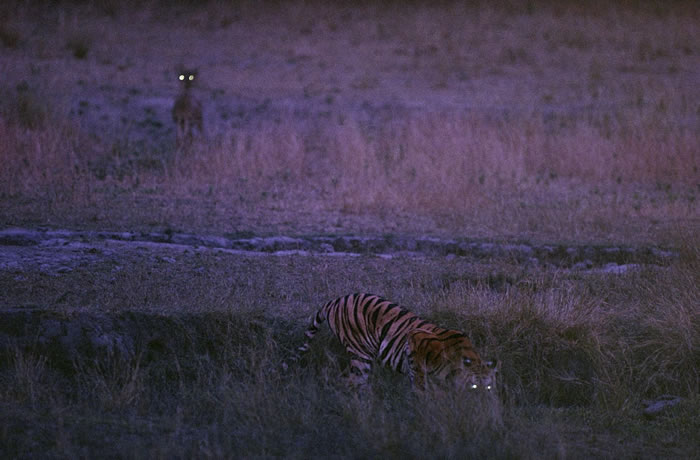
(474, 386)
(182, 77)
(488, 387)
(191, 77)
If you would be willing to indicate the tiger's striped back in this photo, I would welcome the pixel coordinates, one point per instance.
(374, 329)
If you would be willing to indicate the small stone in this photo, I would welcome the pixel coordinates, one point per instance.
(655, 407)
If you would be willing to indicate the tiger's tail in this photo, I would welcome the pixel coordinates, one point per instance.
(318, 319)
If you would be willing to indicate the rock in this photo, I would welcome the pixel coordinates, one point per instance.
(584, 265)
(655, 407)
(616, 269)
(54, 251)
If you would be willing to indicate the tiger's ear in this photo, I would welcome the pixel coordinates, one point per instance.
(493, 364)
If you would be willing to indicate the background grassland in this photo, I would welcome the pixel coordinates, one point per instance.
(490, 121)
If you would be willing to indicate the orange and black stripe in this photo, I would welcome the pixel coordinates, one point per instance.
(374, 329)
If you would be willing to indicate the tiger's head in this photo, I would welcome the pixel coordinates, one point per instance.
(477, 374)
(449, 356)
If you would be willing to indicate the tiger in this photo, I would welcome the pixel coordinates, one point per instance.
(373, 329)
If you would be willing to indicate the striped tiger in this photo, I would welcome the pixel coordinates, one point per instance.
(374, 329)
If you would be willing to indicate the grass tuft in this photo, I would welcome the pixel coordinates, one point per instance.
(9, 36)
(79, 44)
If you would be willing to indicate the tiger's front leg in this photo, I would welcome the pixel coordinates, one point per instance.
(421, 347)
(417, 378)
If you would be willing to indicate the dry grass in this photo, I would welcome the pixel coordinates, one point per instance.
(491, 120)
(552, 121)
(579, 352)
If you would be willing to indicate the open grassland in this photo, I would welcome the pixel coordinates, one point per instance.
(202, 375)
(552, 121)
(546, 122)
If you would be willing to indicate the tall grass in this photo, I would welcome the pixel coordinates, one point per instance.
(424, 162)
(409, 160)
(579, 352)
(410, 150)
(461, 135)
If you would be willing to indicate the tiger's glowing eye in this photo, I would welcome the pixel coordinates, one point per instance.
(488, 387)
(191, 77)
(474, 386)
(182, 77)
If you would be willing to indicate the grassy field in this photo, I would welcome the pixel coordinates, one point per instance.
(541, 121)
(579, 352)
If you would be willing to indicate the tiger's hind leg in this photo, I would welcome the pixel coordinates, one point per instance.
(359, 370)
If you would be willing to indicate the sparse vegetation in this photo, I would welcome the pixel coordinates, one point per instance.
(545, 122)
(579, 353)
(515, 150)
(9, 36)
(26, 107)
(79, 45)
